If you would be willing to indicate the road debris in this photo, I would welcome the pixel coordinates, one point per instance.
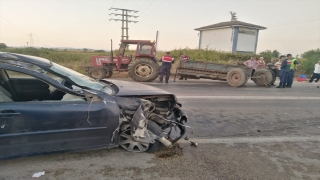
(38, 174)
(186, 138)
(194, 144)
(175, 151)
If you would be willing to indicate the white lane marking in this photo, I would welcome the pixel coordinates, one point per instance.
(249, 97)
(272, 139)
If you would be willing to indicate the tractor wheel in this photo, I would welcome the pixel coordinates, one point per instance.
(109, 74)
(144, 70)
(265, 77)
(97, 73)
(237, 77)
(274, 77)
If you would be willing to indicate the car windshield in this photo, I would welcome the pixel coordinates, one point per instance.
(81, 79)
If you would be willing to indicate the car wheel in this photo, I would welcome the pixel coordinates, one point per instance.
(129, 144)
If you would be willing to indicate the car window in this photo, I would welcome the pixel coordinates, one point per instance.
(25, 65)
(13, 74)
(22, 87)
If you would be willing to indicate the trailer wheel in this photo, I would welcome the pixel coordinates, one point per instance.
(265, 77)
(97, 73)
(274, 77)
(237, 77)
(144, 70)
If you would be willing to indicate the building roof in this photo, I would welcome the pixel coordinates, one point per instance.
(230, 24)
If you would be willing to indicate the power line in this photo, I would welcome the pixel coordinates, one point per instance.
(124, 20)
(296, 22)
(153, 9)
(148, 6)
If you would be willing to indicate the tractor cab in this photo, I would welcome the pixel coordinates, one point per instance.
(144, 49)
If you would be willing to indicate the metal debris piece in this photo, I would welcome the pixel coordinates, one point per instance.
(186, 138)
(36, 175)
(317, 86)
(194, 144)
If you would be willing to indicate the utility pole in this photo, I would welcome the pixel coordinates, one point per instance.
(31, 40)
(27, 44)
(124, 20)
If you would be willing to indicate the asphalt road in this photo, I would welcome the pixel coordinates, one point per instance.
(242, 133)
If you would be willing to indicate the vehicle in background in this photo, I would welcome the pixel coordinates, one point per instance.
(235, 75)
(143, 67)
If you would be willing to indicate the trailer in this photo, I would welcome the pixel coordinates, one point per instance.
(235, 75)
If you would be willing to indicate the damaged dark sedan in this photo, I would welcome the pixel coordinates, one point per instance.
(46, 108)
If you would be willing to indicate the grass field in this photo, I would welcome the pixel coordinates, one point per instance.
(78, 60)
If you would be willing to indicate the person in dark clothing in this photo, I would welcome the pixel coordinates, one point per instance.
(183, 58)
(166, 60)
(273, 68)
(285, 68)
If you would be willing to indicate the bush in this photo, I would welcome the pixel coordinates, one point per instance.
(310, 58)
(3, 45)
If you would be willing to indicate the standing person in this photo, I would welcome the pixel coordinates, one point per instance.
(183, 58)
(261, 63)
(252, 63)
(167, 60)
(278, 65)
(272, 67)
(285, 68)
(294, 63)
(316, 73)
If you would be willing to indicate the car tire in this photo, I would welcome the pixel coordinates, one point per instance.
(155, 129)
(126, 140)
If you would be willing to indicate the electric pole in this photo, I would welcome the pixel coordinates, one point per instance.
(31, 40)
(124, 20)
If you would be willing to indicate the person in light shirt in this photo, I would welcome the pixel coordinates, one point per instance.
(261, 63)
(252, 63)
(278, 65)
(316, 72)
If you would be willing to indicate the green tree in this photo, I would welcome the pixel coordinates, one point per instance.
(275, 53)
(311, 58)
(3, 46)
(267, 55)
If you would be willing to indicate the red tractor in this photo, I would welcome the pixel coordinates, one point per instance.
(143, 67)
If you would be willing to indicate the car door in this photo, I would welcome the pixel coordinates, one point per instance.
(31, 127)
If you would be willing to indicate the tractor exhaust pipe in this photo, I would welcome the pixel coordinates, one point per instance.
(111, 53)
(156, 48)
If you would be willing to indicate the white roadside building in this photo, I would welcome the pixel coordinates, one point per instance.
(231, 36)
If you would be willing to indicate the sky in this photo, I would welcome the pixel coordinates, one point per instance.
(293, 26)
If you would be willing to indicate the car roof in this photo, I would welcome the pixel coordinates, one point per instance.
(25, 58)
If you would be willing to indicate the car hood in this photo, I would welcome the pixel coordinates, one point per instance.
(136, 89)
